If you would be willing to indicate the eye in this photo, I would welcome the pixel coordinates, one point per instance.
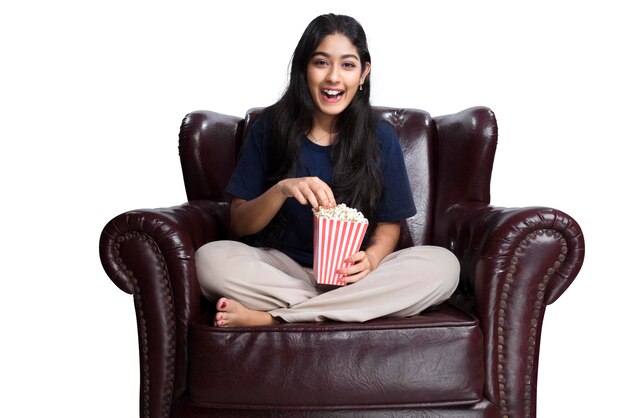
(319, 62)
(349, 65)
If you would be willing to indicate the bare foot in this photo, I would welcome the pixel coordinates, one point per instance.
(233, 314)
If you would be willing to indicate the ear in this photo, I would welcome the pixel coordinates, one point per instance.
(366, 71)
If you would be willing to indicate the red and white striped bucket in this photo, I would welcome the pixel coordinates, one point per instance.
(333, 242)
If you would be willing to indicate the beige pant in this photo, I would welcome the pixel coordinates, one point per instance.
(405, 283)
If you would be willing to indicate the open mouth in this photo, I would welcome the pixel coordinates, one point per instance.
(332, 94)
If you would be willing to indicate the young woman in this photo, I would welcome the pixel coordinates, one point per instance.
(319, 145)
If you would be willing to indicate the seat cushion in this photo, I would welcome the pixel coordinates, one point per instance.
(433, 359)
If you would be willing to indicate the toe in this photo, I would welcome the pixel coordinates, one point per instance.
(219, 320)
(222, 304)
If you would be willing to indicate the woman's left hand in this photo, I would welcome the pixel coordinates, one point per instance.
(381, 243)
(363, 265)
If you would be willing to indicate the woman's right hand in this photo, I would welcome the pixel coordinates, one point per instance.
(251, 216)
(308, 190)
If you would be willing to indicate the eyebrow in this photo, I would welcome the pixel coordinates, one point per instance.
(327, 55)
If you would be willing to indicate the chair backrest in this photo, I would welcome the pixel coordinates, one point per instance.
(209, 143)
(416, 132)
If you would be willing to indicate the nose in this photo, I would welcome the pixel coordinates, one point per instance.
(332, 76)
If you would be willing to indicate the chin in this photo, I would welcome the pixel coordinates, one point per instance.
(331, 111)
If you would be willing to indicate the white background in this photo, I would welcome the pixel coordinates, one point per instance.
(92, 96)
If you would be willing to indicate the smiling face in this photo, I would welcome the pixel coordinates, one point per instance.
(334, 73)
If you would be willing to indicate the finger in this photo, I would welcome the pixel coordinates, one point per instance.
(331, 198)
(353, 269)
(324, 193)
(299, 197)
(322, 198)
(321, 191)
(356, 257)
(355, 277)
(311, 198)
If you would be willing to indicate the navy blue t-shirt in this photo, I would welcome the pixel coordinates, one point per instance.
(296, 239)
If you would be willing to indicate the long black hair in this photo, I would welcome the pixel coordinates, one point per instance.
(357, 178)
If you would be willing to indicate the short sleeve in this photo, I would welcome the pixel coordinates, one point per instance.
(248, 180)
(397, 200)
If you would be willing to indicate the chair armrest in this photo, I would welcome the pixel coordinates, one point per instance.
(499, 244)
(514, 261)
(150, 253)
(177, 232)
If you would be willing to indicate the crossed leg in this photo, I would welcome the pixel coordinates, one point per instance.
(247, 282)
(255, 287)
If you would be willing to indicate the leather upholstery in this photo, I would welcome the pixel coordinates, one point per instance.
(434, 359)
(483, 409)
(417, 136)
(514, 262)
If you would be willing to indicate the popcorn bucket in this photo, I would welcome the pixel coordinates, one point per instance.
(333, 242)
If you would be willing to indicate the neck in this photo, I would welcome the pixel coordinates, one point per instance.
(319, 137)
(322, 122)
(322, 130)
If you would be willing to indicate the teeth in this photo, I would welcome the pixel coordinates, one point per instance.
(331, 92)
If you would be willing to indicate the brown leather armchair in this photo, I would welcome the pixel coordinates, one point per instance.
(474, 356)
